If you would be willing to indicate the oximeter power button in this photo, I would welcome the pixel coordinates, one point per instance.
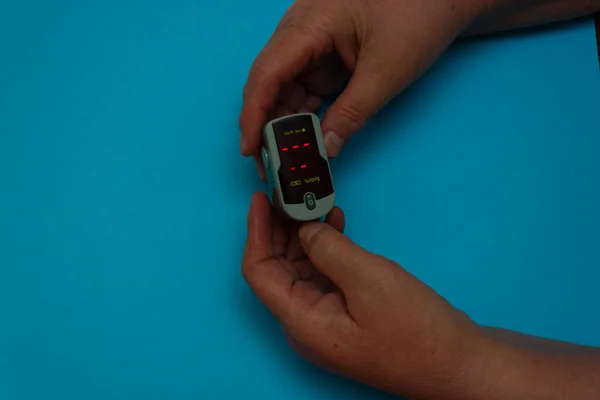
(310, 201)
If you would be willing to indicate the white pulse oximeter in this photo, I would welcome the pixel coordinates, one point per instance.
(297, 167)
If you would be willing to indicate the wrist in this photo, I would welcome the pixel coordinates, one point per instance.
(485, 10)
(502, 370)
(482, 8)
(465, 369)
(466, 13)
(490, 369)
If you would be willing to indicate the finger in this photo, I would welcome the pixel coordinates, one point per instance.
(295, 250)
(311, 104)
(286, 92)
(287, 53)
(270, 282)
(260, 166)
(304, 266)
(350, 267)
(322, 284)
(280, 233)
(292, 96)
(368, 90)
(278, 111)
(297, 98)
(327, 76)
(336, 219)
(317, 281)
(258, 241)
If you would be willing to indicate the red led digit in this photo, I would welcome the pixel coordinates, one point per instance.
(295, 147)
(303, 166)
(306, 144)
(285, 149)
(293, 169)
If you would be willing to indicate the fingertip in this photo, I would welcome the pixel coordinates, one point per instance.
(312, 104)
(259, 228)
(259, 212)
(309, 230)
(260, 167)
(333, 143)
(280, 111)
(366, 92)
(336, 219)
(260, 200)
(251, 122)
(262, 91)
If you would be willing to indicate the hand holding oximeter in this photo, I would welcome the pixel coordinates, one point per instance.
(297, 167)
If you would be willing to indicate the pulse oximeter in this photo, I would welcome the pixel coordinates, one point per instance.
(297, 167)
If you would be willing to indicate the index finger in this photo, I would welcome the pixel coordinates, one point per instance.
(282, 59)
(270, 282)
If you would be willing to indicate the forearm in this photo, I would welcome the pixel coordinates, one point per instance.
(510, 365)
(511, 14)
(536, 343)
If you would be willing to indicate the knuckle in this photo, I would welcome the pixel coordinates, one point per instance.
(309, 18)
(301, 28)
(259, 70)
(321, 238)
(333, 248)
(354, 114)
(388, 277)
(311, 243)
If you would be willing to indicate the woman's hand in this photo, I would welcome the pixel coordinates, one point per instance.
(363, 316)
(364, 50)
(355, 313)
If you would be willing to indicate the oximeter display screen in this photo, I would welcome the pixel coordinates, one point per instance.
(303, 169)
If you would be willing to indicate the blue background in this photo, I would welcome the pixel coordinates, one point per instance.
(123, 197)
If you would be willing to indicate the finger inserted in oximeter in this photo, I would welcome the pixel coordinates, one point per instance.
(297, 167)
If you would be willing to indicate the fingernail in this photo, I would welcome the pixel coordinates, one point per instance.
(308, 231)
(333, 143)
(243, 145)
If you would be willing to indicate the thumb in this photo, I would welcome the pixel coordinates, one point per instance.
(367, 92)
(351, 268)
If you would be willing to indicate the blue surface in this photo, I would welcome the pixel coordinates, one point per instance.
(123, 197)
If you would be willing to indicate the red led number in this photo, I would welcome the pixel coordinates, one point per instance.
(302, 166)
(294, 147)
